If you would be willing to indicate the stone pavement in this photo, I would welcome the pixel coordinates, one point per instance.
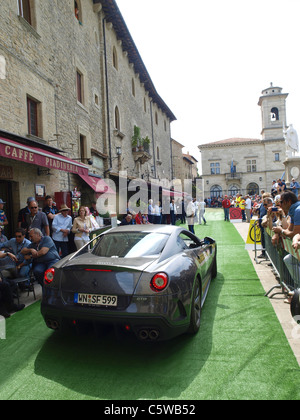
(282, 309)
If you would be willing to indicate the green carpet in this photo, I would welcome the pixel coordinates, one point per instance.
(240, 351)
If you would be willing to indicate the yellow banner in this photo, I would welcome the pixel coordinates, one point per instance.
(254, 235)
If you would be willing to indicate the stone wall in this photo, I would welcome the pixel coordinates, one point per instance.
(41, 61)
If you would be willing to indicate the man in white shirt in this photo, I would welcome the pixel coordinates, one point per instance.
(61, 227)
(190, 213)
(201, 208)
(248, 206)
(173, 211)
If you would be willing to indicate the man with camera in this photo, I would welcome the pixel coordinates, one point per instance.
(291, 206)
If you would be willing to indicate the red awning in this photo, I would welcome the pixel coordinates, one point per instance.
(97, 184)
(13, 150)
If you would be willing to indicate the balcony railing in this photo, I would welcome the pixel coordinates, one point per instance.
(233, 176)
(141, 154)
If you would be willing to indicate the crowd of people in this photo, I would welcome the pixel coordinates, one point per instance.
(279, 210)
(41, 239)
(250, 203)
(282, 215)
(186, 210)
(246, 203)
(42, 236)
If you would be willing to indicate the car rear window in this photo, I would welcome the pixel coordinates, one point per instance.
(130, 244)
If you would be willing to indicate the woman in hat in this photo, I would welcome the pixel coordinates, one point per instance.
(61, 227)
(3, 218)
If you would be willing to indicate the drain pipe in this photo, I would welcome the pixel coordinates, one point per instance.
(107, 93)
(152, 130)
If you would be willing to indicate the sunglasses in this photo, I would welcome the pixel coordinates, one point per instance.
(33, 207)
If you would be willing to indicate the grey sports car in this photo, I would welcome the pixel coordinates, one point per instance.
(151, 280)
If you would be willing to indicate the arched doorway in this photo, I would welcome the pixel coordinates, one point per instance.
(252, 189)
(233, 190)
(216, 191)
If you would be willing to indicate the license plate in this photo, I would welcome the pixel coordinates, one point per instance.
(95, 300)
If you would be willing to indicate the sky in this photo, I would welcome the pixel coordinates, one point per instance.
(209, 60)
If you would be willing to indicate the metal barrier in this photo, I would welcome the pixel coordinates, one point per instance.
(285, 262)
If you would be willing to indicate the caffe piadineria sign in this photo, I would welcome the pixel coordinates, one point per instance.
(35, 156)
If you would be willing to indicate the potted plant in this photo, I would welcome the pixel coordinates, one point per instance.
(136, 138)
(146, 142)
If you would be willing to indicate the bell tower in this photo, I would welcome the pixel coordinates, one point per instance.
(273, 113)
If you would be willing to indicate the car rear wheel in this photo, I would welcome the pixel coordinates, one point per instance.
(214, 270)
(195, 309)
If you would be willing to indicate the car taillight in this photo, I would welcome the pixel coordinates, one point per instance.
(159, 282)
(49, 275)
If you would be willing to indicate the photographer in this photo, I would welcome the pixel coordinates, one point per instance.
(275, 217)
(290, 206)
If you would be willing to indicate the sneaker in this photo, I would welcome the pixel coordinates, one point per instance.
(262, 256)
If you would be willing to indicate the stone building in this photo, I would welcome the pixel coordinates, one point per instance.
(184, 166)
(72, 87)
(190, 170)
(177, 160)
(241, 165)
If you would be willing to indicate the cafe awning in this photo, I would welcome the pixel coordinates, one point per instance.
(97, 184)
(11, 149)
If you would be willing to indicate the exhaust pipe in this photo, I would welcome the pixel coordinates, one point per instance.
(52, 323)
(143, 334)
(147, 334)
(153, 335)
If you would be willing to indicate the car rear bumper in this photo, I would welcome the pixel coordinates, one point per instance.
(146, 327)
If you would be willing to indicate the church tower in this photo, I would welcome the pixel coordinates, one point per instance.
(273, 113)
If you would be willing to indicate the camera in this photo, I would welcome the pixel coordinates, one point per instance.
(274, 209)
